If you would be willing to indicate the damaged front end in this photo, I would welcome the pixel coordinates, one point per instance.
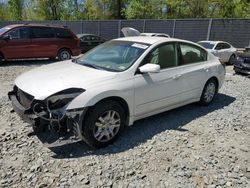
(51, 113)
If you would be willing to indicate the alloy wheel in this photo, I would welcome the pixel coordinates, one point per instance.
(209, 92)
(107, 126)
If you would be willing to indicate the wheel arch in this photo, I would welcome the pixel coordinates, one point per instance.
(216, 81)
(122, 102)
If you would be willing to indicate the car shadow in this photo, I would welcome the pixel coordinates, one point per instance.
(137, 134)
(27, 62)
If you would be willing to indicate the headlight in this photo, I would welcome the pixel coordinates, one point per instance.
(62, 98)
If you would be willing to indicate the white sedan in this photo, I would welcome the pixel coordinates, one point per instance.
(225, 51)
(115, 84)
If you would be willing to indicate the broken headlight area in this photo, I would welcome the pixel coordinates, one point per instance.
(53, 109)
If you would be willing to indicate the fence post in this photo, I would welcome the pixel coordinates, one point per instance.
(173, 32)
(99, 28)
(144, 26)
(81, 26)
(119, 28)
(209, 28)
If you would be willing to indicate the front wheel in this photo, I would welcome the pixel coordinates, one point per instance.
(64, 54)
(103, 124)
(232, 60)
(208, 92)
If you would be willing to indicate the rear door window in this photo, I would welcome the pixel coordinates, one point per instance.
(62, 33)
(191, 54)
(42, 32)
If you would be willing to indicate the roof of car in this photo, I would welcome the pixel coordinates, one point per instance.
(34, 24)
(148, 39)
(86, 34)
(212, 41)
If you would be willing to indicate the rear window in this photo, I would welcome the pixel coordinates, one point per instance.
(63, 33)
(42, 32)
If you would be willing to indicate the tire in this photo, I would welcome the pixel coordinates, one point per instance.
(103, 124)
(64, 54)
(232, 59)
(209, 92)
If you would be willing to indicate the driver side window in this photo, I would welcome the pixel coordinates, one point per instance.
(165, 56)
(20, 33)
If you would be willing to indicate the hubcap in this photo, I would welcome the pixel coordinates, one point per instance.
(65, 55)
(107, 126)
(209, 92)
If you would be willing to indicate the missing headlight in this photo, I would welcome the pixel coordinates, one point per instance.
(62, 98)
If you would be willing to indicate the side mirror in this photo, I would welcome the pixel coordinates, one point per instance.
(150, 68)
(6, 37)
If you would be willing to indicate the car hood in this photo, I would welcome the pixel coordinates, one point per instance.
(49, 79)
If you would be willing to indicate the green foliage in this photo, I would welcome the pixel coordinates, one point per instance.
(15, 8)
(122, 9)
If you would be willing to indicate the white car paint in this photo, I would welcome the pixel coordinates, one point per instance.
(145, 94)
(223, 53)
(129, 32)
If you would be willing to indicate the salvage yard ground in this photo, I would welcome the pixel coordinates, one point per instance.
(191, 146)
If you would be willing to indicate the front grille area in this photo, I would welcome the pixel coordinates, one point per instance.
(25, 99)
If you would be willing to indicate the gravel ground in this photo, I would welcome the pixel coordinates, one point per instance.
(191, 146)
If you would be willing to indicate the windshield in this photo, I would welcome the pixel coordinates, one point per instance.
(113, 56)
(206, 45)
(2, 30)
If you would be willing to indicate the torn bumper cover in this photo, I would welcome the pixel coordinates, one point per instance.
(39, 114)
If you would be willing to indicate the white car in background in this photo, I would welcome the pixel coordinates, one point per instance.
(130, 32)
(225, 51)
(115, 84)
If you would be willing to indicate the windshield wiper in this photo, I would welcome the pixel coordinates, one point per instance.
(92, 66)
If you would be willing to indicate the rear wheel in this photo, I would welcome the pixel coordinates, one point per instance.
(64, 54)
(232, 59)
(209, 92)
(103, 124)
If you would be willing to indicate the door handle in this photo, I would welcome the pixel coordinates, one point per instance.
(176, 77)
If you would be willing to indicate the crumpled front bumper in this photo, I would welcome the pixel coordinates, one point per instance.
(73, 120)
(24, 113)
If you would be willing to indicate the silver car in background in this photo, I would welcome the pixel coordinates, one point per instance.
(225, 51)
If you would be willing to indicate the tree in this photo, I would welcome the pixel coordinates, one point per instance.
(16, 9)
(90, 10)
(139, 9)
(4, 15)
(49, 9)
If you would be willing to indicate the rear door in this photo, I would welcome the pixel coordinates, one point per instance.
(194, 70)
(44, 42)
(18, 45)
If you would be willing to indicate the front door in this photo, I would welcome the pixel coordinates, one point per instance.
(19, 44)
